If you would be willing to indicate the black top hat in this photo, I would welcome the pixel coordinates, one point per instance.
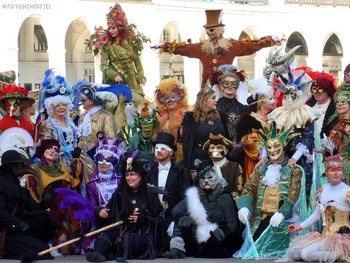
(12, 156)
(167, 139)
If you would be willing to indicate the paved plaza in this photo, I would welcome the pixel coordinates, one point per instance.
(75, 259)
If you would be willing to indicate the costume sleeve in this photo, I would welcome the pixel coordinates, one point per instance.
(91, 194)
(110, 127)
(250, 191)
(293, 193)
(243, 48)
(180, 210)
(312, 219)
(190, 50)
(33, 188)
(5, 216)
(230, 224)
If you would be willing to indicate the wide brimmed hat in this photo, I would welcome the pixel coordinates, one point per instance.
(214, 18)
(44, 145)
(167, 139)
(217, 139)
(18, 93)
(12, 156)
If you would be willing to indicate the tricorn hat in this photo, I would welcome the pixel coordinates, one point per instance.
(217, 139)
(167, 139)
(214, 18)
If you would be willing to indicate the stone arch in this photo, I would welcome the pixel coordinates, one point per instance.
(301, 53)
(171, 65)
(332, 55)
(33, 57)
(79, 58)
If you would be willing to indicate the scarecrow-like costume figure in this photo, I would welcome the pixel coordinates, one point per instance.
(269, 199)
(217, 50)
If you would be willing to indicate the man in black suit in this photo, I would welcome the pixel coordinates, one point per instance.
(166, 175)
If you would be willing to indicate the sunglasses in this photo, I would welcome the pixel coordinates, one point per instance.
(211, 30)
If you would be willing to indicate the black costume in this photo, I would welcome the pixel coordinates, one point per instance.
(130, 240)
(194, 135)
(29, 227)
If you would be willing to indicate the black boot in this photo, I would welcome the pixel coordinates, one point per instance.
(175, 253)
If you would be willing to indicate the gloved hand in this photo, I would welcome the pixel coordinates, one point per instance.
(156, 46)
(67, 149)
(76, 152)
(243, 215)
(23, 227)
(276, 38)
(185, 221)
(276, 219)
(218, 234)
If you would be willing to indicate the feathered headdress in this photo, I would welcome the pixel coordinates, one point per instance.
(103, 93)
(17, 139)
(171, 88)
(55, 90)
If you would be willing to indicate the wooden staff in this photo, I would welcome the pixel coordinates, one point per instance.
(78, 238)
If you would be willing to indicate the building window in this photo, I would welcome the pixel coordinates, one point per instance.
(28, 86)
(89, 75)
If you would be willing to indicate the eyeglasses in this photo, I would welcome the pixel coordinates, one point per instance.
(211, 30)
(104, 162)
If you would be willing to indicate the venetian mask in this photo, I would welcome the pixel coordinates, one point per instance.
(342, 100)
(217, 151)
(13, 107)
(229, 83)
(291, 94)
(146, 125)
(274, 148)
(316, 90)
(209, 180)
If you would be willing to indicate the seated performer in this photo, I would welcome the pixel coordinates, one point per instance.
(206, 220)
(333, 207)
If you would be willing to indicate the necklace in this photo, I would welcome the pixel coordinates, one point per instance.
(210, 122)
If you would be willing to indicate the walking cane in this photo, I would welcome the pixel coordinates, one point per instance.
(78, 238)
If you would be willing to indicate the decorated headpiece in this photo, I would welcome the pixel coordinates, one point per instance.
(170, 89)
(269, 134)
(278, 60)
(116, 17)
(260, 89)
(110, 150)
(296, 81)
(13, 93)
(103, 93)
(136, 162)
(55, 90)
(146, 114)
(17, 139)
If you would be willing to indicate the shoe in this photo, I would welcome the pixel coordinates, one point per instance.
(121, 260)
(175, 253)
(95, 257)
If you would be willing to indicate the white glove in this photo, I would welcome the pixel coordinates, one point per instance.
(170, 230)
(276, 219)
(243, 215)
(276, 38)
